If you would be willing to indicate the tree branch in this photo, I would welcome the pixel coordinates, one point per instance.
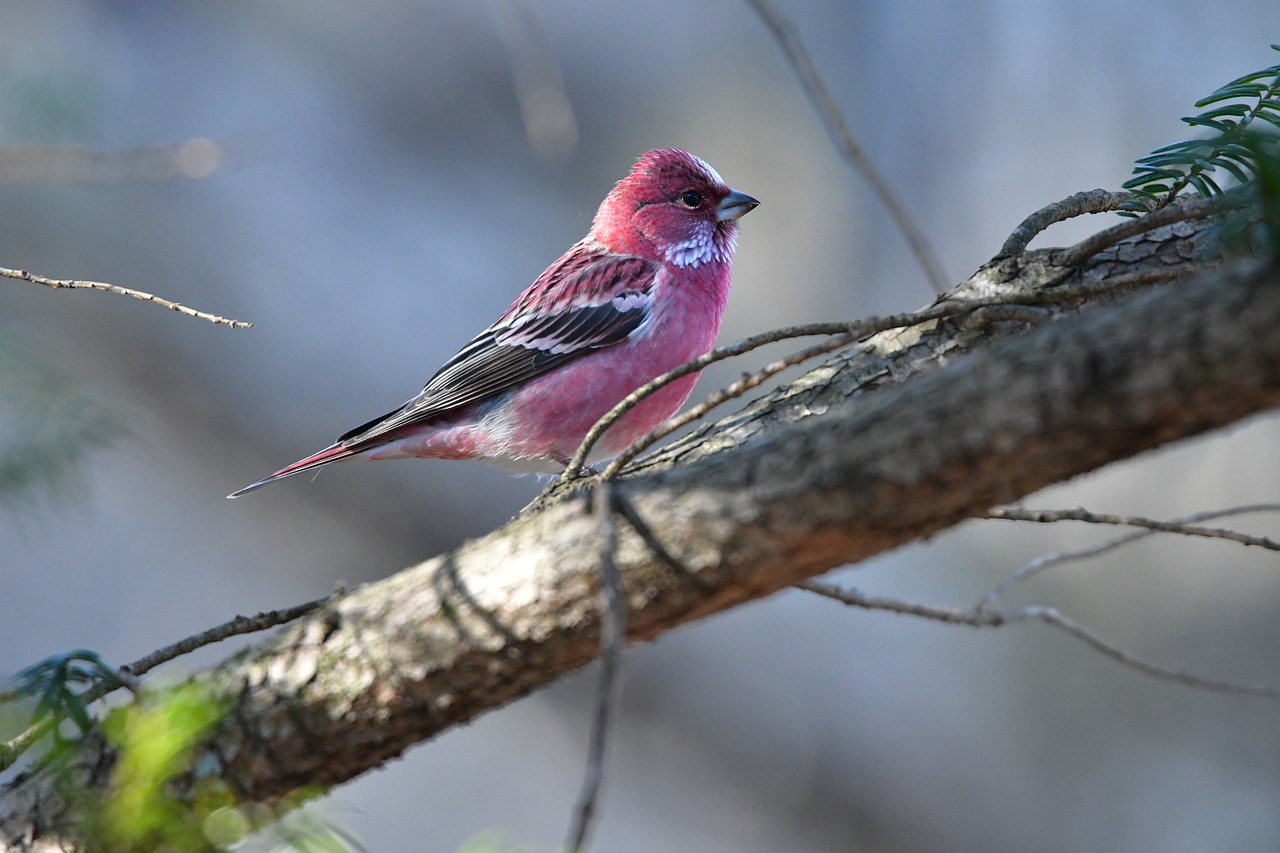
(889, 441)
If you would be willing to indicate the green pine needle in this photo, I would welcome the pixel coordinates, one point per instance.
(1235, 112)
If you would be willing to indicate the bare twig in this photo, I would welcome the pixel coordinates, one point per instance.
(545, 107)
(1050, 616)
(1052, 516)
(613, 635)
(58, 283)
(1091, 201)
(1046, 561)
(574, 468)
(737, 389)
(814, 86)
(128, 674)
(238, 625)
(650, 539)
(976, 618)
(1200, 208)
(847, 332)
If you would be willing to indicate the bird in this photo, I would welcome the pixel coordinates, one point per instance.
(643, 292)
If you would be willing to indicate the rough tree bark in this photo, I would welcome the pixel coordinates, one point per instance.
(888, 441)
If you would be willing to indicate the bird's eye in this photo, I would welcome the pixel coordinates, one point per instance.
(691, 198)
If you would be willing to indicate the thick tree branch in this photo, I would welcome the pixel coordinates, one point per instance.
(966, 414)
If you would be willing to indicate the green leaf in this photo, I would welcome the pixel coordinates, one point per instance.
(1227, 166)
(1268, 117)
(1174, 147)
(1220, 126)
(1256, 75)
(1231, 92)
(77, 711)
(1147, 177)
(1175, 158)
(1204, 184)
(1227, 110)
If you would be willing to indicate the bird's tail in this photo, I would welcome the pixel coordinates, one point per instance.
(332, 453)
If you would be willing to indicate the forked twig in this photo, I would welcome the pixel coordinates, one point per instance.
(978, 618)
(1046, 561)
(1053, 516)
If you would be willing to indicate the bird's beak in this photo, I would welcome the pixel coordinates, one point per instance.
(735, 205)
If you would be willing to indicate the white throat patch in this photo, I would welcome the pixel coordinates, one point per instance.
(708, 244)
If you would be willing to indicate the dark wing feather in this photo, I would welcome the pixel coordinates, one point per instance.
(524, 345)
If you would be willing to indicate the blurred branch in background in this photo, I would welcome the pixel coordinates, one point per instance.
(549, 122)
(816, 88)
(191, 159)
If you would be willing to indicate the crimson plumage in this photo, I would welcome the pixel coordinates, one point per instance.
(643, 292)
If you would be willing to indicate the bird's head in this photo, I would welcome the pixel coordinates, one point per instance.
(674, 208)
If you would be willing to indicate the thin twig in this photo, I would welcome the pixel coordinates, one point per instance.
(976, 618)
(814, 86)
(1200, 208)
(1090, 201)
(1046, 561)
(949, 615)
(646, 534)
(613, 633)
(848, 332)
(1050, 616)
(737, 389)
(58, 283)
(626, 404)
(1052, 516)
(238, 625)
(128, 674)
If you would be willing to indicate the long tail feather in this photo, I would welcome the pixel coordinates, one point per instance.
(332, 453)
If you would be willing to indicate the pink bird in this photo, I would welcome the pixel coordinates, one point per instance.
(642, 293)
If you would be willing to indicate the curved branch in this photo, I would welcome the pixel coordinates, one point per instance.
(1090, 201)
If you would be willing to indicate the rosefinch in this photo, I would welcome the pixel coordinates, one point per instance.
(642, 293)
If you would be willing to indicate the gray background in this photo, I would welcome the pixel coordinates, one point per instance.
(387, 202)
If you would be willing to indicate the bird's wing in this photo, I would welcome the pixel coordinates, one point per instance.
(587, 300)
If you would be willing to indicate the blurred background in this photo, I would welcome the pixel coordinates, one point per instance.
(386, 176)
